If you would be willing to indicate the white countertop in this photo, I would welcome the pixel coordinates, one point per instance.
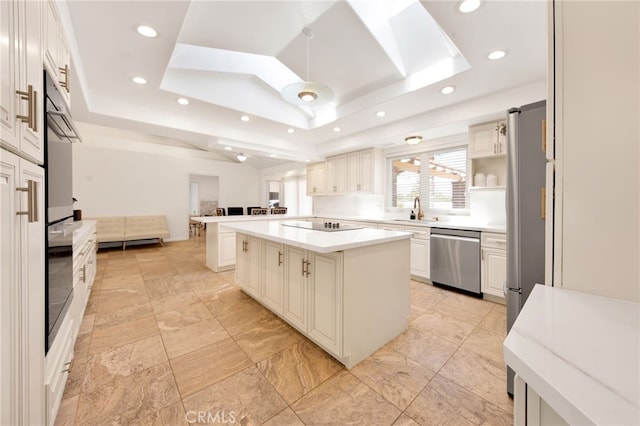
(243, 218)
(318, 241)
(580, 353)
(457, 223)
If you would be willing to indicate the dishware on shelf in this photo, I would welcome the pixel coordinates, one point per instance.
(479, 179)
(492, 180)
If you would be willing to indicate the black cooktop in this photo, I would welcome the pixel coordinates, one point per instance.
(325, 227)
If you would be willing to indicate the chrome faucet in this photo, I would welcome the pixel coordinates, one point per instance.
(416, 201)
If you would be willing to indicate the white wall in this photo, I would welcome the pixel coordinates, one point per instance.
(145, 179)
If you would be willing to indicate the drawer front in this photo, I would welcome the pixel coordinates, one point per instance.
(390, 227)
(419, 232)
(494, 240)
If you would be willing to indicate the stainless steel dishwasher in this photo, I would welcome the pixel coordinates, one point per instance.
(455, 259)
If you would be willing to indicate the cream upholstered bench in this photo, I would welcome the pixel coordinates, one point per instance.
(109, 228)
(129, 228)
(145, 228)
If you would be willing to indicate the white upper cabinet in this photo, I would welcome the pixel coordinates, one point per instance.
(316, 179)
(21, 79)
(355, 172)
(362, 166)
(487, 139)
(57, 57)
(337, 174)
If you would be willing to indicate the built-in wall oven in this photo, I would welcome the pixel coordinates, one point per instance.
(455, 259)
(59, 213)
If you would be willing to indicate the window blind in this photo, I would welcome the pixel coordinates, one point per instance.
(438, 177)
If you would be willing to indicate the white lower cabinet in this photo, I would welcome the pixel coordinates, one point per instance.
(59, 359)
(295, 288)
(530, 409)
(226, 249)
(272, 275)
(303, 287)
(21, 291)
(221, 247)
(248, 261)
(494, 264)
(324, 281)
(420, 256)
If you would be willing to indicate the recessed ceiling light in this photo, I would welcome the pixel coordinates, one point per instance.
(183, 101)
(468, 6)
(272, 155)
(380, 114)
(290, 130)
(448, 90)
(307, 160)
(228, 148)
(146, 31)
(336, 129)
(139, 80)
(241, 157)
(244, 118)
(496, 54)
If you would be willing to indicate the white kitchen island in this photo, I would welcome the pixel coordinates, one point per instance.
(347, 291)
(221, 241)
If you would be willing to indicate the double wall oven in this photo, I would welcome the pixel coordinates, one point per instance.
(59, 213)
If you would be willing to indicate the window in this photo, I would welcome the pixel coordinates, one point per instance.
(440, 177)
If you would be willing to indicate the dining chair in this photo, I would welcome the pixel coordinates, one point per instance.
(235, 211)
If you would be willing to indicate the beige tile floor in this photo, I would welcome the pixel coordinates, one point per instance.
(165, 340)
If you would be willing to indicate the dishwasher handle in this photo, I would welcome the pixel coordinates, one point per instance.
(456, 238)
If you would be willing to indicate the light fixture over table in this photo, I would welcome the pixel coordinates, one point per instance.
(307, 93)
(413, 140)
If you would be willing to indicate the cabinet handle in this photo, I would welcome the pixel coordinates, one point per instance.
(303, 271)
(32, 201)
(32, 108)
(84, 274)
(307, 273)
(544, 136)
(65, 84)
(279, 258)
(245, 246)
(68, 366)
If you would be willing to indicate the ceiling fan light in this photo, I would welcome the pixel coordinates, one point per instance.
(308, 95)
(413, 140)
(241, 157)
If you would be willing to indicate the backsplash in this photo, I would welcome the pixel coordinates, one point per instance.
(366, 206)
(488, 206)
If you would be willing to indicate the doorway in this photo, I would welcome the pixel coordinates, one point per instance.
(203, 195)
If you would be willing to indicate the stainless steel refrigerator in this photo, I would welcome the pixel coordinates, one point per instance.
(526, 171)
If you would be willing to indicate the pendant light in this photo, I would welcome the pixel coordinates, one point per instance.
(307, 93)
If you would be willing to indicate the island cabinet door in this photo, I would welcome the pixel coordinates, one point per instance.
(272, 275)
(253, 274)
(248, 258)
(241, 260)
(324, 272)
(295, 288)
